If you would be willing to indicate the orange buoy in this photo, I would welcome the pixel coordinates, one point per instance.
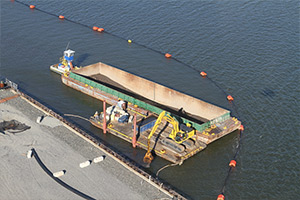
(100, 30)
(61, 17)
(229, 98)
(95, 28)
(203, 74)
(232, 163)
(241, 128)
(167, 55)
(32, 6)
(221, 197)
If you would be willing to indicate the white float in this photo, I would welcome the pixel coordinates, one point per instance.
(84, 164)
(98, 159)
(58, 174)
(29, 154)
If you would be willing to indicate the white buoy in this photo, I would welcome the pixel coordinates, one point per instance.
(58, 174)
(98, 159)
(84, 164)
(38, 120)
(29, 154)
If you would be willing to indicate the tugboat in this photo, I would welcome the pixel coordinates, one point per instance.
(65, 64)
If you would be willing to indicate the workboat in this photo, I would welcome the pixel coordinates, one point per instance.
(65, 64)
(163, 121)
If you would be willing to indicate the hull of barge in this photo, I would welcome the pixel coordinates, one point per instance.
(209, 127)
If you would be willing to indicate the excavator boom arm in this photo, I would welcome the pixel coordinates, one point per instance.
(158, 121)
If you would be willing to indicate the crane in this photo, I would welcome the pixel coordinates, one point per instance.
(179, 134)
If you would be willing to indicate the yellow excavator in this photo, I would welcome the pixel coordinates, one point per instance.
(178, 134)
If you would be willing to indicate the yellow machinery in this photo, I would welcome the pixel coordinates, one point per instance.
(178, 135)
(63, 61)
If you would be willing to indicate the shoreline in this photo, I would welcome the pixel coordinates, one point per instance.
(134, 172)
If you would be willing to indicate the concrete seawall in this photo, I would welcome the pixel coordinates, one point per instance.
(59, 148)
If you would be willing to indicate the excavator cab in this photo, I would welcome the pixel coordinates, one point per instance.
(185, 131)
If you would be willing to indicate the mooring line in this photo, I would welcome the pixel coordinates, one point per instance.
(221, 196)
(164, 167)
(77, 116)
(37, 158)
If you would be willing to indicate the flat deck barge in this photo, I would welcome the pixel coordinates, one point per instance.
(185, 128)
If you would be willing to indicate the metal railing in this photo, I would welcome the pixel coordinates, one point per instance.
(144, 105)
(11, 84)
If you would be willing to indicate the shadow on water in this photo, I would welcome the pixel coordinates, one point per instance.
(81, 58)
(268, 93)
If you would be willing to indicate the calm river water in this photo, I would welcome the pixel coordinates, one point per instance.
(249, 48)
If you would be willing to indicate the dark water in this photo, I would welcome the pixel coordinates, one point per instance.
(250, 48)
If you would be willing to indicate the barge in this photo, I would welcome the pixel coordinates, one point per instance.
(163, 121)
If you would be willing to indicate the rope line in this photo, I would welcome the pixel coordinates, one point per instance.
(232, 105)
(37, 158)
(164, 167)
(71, 115)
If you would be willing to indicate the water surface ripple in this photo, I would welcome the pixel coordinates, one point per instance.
(250, 48)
